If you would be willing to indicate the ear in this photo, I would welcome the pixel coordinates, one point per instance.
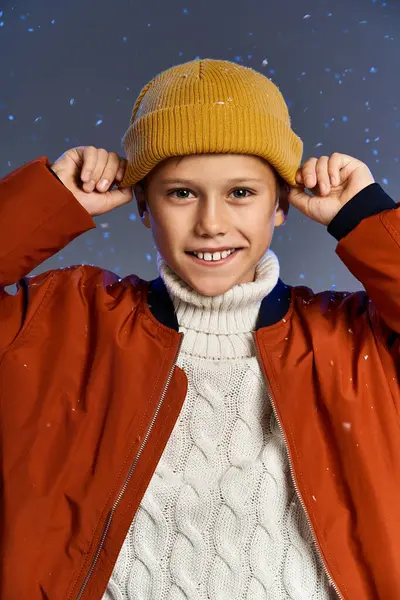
(282, 203)
(140, 195)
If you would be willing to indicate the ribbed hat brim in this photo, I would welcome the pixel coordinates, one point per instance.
(202, 129)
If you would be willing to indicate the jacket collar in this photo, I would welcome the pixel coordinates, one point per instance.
(273, 307)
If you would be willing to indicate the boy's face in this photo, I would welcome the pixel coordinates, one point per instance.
(209, 203)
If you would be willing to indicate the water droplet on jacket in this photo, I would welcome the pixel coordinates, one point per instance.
(314, 498)
(365, 357)
(346, 426)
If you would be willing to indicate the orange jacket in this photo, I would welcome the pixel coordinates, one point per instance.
(90, 393)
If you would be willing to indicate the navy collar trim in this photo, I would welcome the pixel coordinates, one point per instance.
(273, 307)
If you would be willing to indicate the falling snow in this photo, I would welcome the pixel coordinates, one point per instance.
(335, 99)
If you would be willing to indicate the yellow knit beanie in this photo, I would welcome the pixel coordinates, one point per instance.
(210, 106)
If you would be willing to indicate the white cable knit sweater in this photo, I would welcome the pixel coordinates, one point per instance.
(220, 519)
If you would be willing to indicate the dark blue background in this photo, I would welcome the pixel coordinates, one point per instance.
(71, 72)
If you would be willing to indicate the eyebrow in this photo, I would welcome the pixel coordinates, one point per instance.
(229, 181)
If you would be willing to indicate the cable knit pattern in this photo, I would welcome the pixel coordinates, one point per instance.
(220, 519)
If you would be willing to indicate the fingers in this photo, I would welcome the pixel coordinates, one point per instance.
(323, 172)
(96, 168)
(307, 173)
(111, 172)
(336, 162)
(323, 179)
(89, 163)
(121, 171)
(101, 168)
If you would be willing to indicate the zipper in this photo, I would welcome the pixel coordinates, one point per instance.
(128, 478)
(298, 494)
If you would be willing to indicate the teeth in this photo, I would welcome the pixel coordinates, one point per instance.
(216, 256)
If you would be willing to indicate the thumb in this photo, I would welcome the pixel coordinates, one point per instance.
(119, 197)
(299, 199)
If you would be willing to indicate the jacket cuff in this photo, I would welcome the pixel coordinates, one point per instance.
(52, 172)
(370, 201)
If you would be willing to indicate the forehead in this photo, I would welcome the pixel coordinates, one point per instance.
(214, 165)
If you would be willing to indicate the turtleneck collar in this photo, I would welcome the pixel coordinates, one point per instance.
(206, 320)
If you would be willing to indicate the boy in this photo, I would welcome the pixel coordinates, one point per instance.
(214, 433)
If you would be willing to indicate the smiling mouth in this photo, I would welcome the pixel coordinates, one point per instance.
(216, 258)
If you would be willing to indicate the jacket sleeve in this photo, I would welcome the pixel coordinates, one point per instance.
(38, 217)
(368, 231)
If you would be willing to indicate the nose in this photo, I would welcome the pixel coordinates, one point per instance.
(212, 217)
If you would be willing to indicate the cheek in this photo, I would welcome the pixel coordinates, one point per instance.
(256, 224)
(167, 231)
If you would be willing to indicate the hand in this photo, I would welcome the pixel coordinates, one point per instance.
(333, 181)
(82, 171)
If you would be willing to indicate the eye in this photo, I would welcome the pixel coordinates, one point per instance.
(180, 193)
(241, 193)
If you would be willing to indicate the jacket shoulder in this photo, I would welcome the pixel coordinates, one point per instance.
(60, 291)
(330, 305)
(76, 276)
(330, 309)
(304, 293)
